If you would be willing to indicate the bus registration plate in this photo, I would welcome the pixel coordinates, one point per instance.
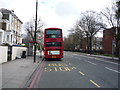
(53, 52)
(53, 56)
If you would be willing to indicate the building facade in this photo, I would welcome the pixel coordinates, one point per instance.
(108, 41)
(1, 31)
(11, 27)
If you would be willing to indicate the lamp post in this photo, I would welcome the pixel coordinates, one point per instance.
(35, 32)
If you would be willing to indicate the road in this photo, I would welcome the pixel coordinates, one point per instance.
(76, 71)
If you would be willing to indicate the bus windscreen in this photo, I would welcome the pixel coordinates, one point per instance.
(53, 34)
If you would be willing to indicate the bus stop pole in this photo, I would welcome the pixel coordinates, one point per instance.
(35, 32)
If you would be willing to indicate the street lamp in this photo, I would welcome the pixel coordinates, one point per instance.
(35, 32)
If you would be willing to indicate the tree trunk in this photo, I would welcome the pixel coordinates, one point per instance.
(90, 45)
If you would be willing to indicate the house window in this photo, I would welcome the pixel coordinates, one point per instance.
(0, 25)
(5, 16)
(7, 37)
(0, 37)
(4, 26)
(11, 38)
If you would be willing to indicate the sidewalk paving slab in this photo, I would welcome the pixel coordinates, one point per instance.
(17, 72)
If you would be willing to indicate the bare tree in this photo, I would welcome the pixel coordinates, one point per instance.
(72, 41)
(111, 14)
(30, 28)
(79, 33)
(90, 22)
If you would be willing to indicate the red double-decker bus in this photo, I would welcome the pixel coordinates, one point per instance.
(53, 43)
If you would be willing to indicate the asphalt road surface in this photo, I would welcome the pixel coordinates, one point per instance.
(76, 71)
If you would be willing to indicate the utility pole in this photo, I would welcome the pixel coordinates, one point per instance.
(35, 43)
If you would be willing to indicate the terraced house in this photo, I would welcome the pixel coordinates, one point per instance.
(10, 28)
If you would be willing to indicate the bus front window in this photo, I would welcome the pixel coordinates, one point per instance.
(53, 34)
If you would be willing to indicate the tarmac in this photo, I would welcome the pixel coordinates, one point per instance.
(99, 56)
(16, 73)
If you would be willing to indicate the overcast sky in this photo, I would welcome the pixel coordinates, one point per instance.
(55, 13)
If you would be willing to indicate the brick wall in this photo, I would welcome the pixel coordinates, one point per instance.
(108, 37)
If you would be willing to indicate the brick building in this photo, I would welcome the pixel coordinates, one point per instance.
(108, 39)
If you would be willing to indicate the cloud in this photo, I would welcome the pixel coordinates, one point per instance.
(64, 15)
(24, 9)
(55, 13)
(64, 9)
(5, 3)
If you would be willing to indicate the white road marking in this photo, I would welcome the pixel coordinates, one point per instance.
(97, 59)
(90, 62)
(112, 70)
(75, 54)
(107, 61)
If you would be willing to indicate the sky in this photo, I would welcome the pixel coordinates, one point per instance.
(54, 13)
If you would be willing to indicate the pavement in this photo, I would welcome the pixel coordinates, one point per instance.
(16, 73)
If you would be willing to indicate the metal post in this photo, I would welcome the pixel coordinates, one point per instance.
(112, 50)
(119, 53)
(35, 32)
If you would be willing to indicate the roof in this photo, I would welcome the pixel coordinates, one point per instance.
(4, 11)
(53, 28)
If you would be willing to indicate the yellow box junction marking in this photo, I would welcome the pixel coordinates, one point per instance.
(94, 83)
(81, 73)
(58, 67)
